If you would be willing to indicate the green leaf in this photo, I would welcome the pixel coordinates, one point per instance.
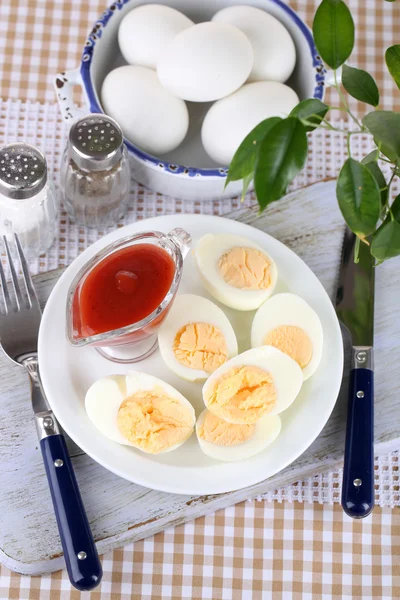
(359, 198)
(379, 177)
(386, 242)
(394, 212)
(312, 110)
(281, 156)
(360, 84)
(395, 209)
(392, 57)
(244, 160)
(386, 151)
(385, 127)
(247, 179)
(333, 30)
(371, 157)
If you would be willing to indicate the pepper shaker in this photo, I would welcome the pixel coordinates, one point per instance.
(95, 172)
(28, 204)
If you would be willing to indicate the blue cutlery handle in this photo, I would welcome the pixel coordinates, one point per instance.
(358, 469)
(81, 558)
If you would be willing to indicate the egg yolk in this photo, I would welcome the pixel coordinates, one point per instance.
(154, 422)
(293, 341)
(219, 432)
(245, 268)
(200, 346)
(242, 395)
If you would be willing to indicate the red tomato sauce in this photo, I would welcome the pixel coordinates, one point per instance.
(124, 288)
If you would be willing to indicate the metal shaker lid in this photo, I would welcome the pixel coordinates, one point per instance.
(96, 142)
(23, 171)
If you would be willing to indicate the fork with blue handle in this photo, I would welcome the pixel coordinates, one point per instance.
(19, 328)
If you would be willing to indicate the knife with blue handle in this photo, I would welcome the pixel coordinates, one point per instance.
(355, 310)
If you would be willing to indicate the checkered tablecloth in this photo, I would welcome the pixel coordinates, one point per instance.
(296, 543)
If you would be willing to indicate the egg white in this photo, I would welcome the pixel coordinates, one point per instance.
(289, 309)
(209, 250)
(286, 373)
(229, 120)
(265, 433)
(146, 31)
(105, 396)
(150, 116)
(273, 47)
(191, 73)
(189, 308)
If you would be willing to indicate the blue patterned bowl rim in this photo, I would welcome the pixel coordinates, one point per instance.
(87, 57)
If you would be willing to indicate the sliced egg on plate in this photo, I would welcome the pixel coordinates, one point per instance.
(196, 338)
(258, 382)
(288, 323)
(140, 410)
(225, 441)
(235, 270)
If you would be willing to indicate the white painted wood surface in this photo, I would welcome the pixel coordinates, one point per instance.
(309, 222)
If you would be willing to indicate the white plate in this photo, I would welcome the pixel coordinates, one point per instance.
(67, 373)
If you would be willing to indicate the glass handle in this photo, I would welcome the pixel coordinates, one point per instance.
(182, 239)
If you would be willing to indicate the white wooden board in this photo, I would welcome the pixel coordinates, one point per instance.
(309, 222)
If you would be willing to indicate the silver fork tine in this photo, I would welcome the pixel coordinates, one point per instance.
(14, 278)
(4, 288)
(30, 290)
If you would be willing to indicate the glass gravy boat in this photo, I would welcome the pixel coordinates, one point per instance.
(138, 340)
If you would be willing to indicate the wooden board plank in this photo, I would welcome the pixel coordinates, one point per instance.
(120, 512)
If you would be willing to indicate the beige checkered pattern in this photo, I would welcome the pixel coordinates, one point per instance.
(259, 550)
(39, 38)
(251, 551)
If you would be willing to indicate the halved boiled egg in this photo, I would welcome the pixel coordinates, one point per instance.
(196, 338)
(235, 270)
(288, 323)
(140, 410)
(228, 442)
(258, 382)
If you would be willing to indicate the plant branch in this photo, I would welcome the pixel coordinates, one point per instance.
(320, 126)
(343, 99)
(348, 144)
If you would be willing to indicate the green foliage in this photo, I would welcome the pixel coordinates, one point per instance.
(333, 30)
(361, 85)
(244, 160)
(312, 111)
(386, 241)
(359, 197)
(392, 57)
(385, 127)
(281, 156)
(276, 150)
(370, 161)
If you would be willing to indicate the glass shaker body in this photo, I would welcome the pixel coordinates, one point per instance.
(95, 173)
(95, 198)
(28, 204)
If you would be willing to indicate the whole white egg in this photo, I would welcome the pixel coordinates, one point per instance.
(273, 47)
(206, 62)
(104, 399)
(235, 270)
(196, 337)
(231, 119)
(234, 392)
(150, 116)
(221, 443)
(146, 30)
(288, 323)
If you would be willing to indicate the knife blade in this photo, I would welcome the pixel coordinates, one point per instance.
(355, 310)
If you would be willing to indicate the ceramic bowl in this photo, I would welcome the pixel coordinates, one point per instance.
(187, 172)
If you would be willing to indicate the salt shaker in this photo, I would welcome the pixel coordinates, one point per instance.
(28, 204)
(95, 172)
